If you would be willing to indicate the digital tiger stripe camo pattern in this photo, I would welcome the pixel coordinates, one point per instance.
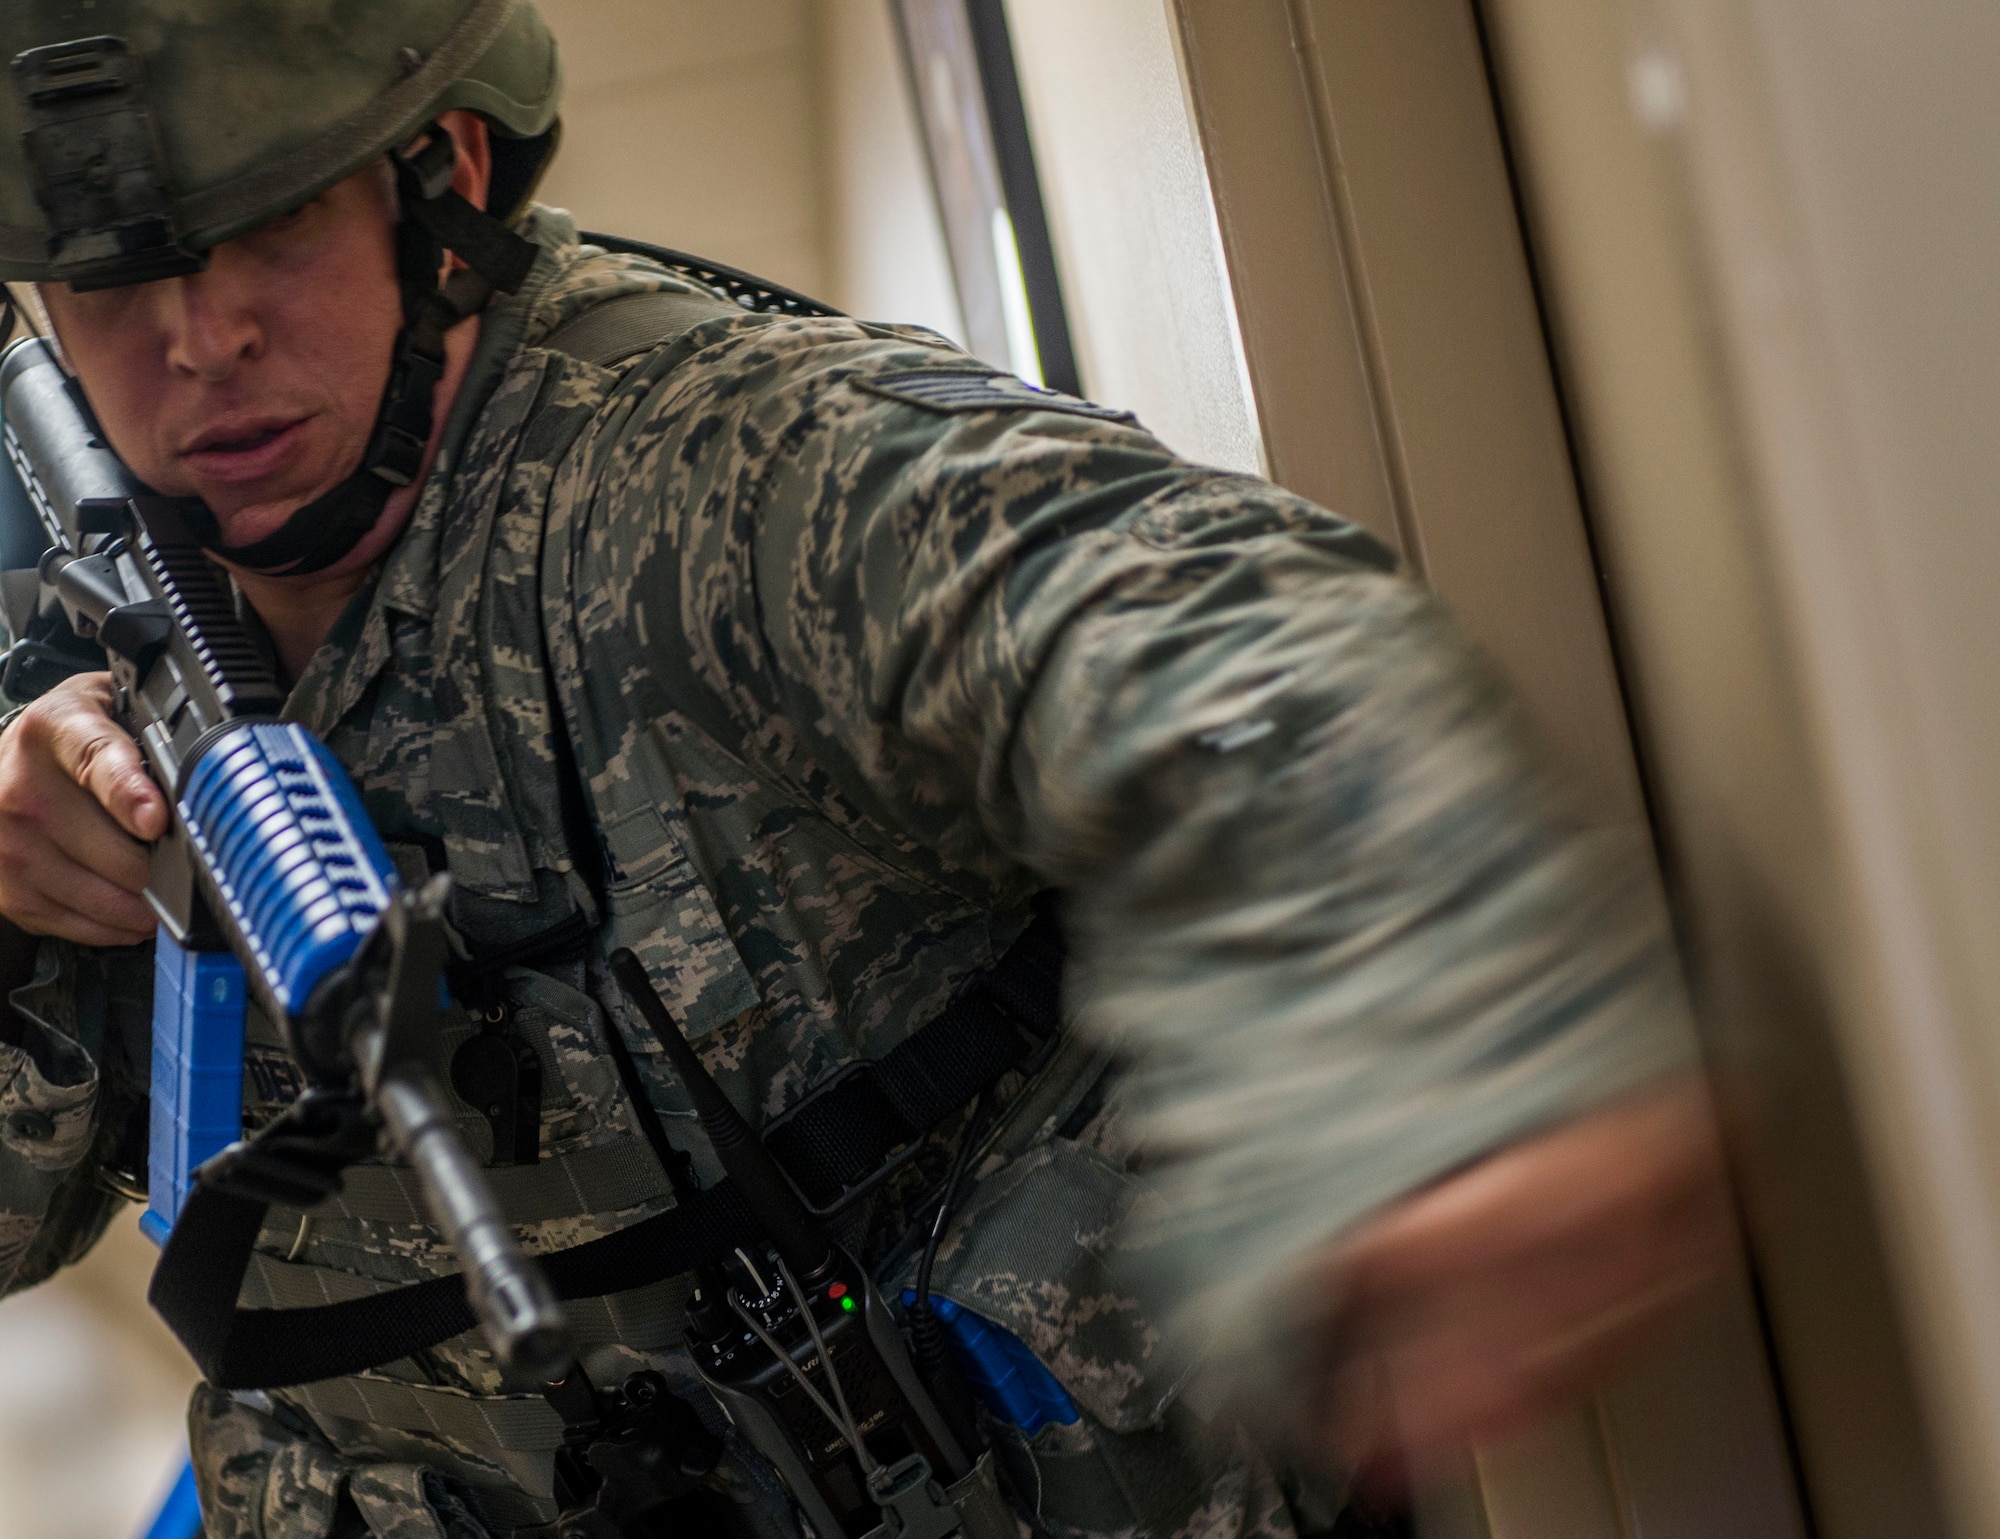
(849, 675)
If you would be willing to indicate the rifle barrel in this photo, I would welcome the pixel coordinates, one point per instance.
(516, 1307)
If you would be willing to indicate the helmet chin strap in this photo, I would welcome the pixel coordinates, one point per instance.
(435, 219)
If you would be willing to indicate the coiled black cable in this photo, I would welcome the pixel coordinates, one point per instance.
(927, 1332)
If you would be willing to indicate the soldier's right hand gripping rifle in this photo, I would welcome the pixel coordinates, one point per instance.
(270, 855)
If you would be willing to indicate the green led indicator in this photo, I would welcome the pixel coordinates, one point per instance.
(848, 1305)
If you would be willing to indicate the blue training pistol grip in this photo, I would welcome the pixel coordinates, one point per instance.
(302, 877)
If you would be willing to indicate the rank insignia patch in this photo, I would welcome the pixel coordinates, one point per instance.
(969, 390)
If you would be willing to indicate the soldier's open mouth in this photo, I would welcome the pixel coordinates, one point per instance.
(244, 450)
(254, 441)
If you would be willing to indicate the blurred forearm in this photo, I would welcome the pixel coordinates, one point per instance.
(1333, 907)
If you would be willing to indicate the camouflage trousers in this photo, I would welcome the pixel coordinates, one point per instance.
(264, 1475)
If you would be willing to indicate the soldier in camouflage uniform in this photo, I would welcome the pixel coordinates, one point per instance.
(849, 648)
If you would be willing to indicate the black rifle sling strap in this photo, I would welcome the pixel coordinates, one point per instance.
(746, 290)
(620, 329)
(834, 1145)
(829, 1145)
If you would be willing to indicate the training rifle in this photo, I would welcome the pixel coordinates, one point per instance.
(271, 880)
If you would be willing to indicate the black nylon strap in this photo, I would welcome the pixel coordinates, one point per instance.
(313, 538)
(608, 334)
(503, 258)
(746, 289)
(274, 1348)
(832, 1142)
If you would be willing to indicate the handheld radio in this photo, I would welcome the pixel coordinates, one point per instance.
(800, 1349)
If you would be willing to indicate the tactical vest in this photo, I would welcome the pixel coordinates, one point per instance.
(595, 851)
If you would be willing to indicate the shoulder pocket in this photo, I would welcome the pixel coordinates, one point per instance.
(661, 908)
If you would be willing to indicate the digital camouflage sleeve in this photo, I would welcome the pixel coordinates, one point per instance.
(1322, 894)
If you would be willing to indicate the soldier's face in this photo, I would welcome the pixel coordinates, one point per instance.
(253, 385)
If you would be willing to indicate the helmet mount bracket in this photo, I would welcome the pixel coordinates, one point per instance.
(99, 172)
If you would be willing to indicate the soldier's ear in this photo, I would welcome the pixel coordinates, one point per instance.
(472, 176)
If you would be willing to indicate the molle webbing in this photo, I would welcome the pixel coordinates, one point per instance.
(512, 1423)
(611, 1178)
(1005, 1021)
(618, 330)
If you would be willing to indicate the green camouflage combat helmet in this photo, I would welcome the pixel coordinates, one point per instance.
(137, 134)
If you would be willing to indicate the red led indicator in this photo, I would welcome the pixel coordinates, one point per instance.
(837, 1291)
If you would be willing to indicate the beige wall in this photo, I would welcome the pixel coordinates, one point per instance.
(886, 257)
(779, 135)
(693, 123)
(1841, 164)
(93, 1398)
(775, 135)
(1142, 267)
